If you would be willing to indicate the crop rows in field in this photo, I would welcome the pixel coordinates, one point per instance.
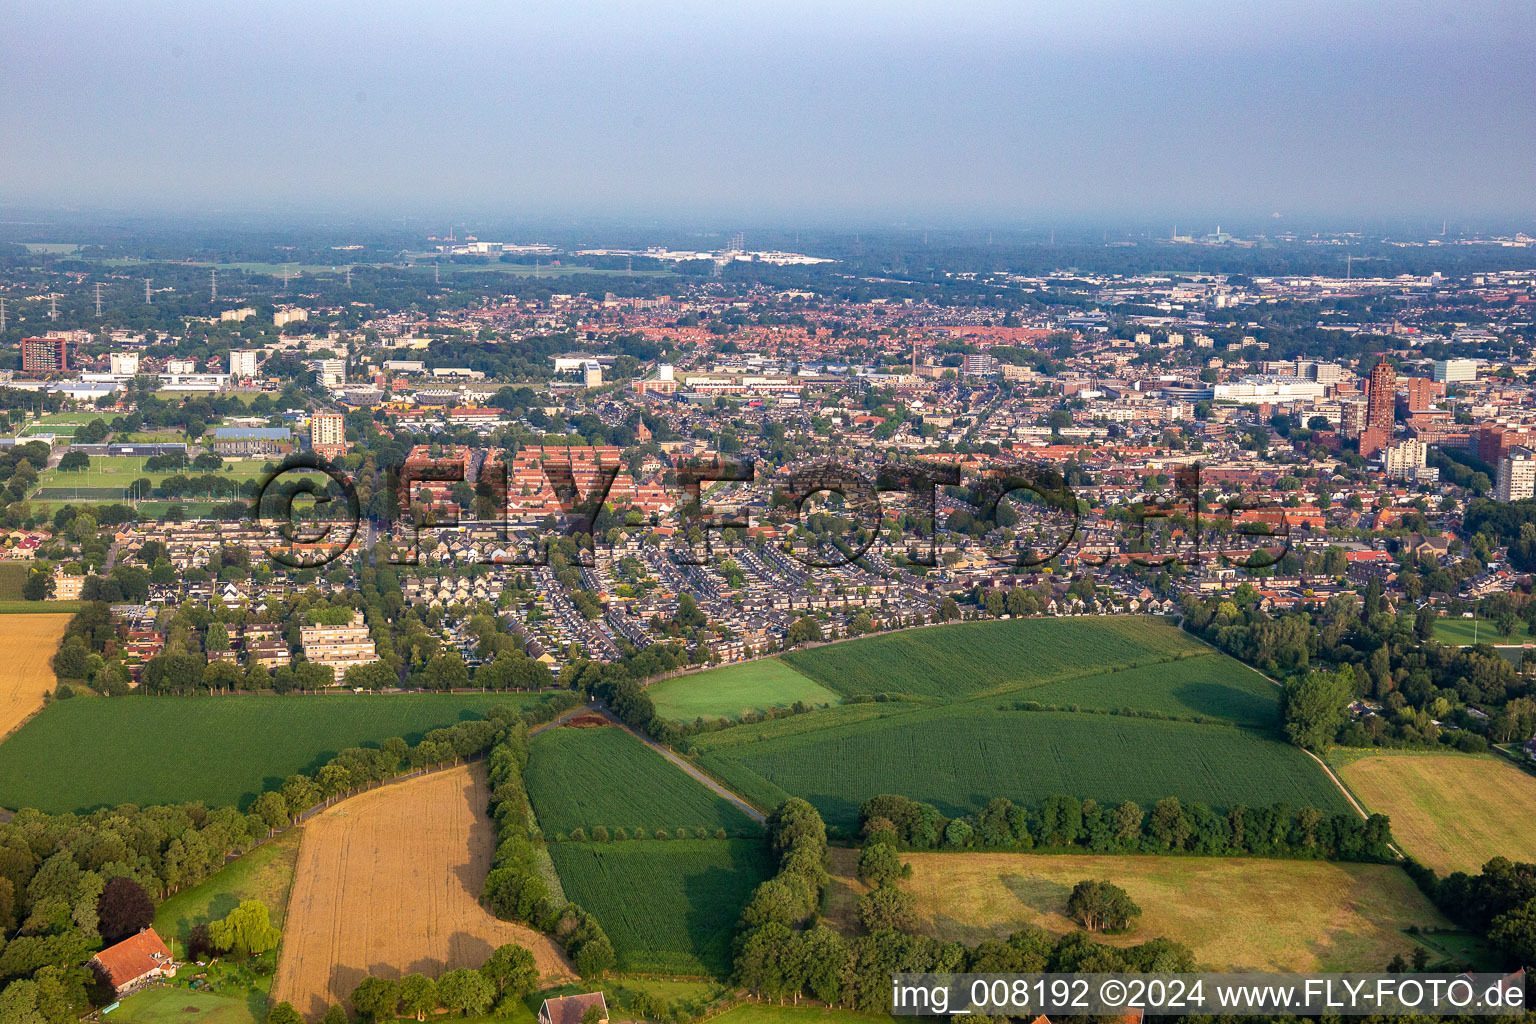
(604, 776)
(959, 757)
(1211, 686)
(966, 660)
(669, 907)
(86, 753)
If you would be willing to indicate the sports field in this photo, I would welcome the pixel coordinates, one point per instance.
(220, 750)
(959, 757)
(1450, 813)
(25, 675)
(264, 874)
(668, 906)
(604, 776)
(975, 659)
(1234, 914)
(109, 477)
(1463, 632)
(388, 883)
(727, 692)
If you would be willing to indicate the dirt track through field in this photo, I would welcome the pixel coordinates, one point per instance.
(388, 884)
(28, 642)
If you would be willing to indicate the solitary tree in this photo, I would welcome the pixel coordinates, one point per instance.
(122, 909)
(247, 931)
(1098, 906)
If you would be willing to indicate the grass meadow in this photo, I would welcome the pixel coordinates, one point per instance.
(727, 692)
(1451, 813)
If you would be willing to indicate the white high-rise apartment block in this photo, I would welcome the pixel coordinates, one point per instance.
(242, 362)
(1401, 459)
(1517, 475)
(327, 430)
(124, 364)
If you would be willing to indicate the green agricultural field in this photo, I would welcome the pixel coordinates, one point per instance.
(727, 692)
(1213, 686)
(265, 874)
(12, 576)
(581, 778)
(668, 906)
(973, 659)
(959, 757)
(80, 754)
(171, 1004)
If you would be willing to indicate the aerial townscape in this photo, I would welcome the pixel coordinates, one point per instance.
(478, 610)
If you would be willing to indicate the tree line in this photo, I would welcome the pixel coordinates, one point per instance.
(1066, 822)
(514, 888)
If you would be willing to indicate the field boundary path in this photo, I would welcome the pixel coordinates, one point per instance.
(696, 773)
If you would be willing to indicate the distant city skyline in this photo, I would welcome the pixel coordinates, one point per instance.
(1186, 111)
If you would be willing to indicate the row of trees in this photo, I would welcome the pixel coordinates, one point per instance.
(497, 986)
(1064, 821)
(514, 888)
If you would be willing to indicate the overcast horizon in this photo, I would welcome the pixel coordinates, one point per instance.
(787, 113)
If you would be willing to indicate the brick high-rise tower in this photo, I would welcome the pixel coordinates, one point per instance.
(1380, 405)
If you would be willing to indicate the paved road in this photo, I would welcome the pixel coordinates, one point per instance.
(713, 786)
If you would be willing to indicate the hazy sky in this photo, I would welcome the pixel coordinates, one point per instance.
(782, 111)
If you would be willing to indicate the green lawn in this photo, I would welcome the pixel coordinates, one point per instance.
(668, 906)
(727, 692)
(264, 874)
(604, 776)
(959, 757)
(80, 754)
(967, 660)
(175, 1005)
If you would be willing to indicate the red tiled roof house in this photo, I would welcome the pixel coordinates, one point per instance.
(135, 960)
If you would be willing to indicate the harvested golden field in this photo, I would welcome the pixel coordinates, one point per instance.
(1450, 813)
(28, 642)
(388, 883)
(1235, 914)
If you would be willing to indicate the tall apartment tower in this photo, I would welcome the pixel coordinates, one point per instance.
(42, 355)
(1517, 475)
(328, 434)
(1380, 408)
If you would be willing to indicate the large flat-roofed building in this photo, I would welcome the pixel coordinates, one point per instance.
(1455, 371)
(247, 441)
(44, 355)
(340, 647)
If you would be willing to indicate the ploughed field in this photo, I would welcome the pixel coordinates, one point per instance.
(388, 883)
